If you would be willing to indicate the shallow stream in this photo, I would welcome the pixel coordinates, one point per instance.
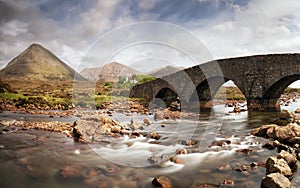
(33, 158)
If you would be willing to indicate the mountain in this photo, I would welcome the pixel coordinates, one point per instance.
(109, 72)
(38, 63)
(165, 71)
(91, 73)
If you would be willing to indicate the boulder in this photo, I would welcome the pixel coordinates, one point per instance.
(147, 122)
(287, 115)
(135, 125)
(275, 180)
(220, 143)
(281, 133)
(297, 110)
(274, 165)
(176, 160)
(291, 159)
(167, 114)
(92, 128)
(228, 182)
(161, 181)
(154, 135)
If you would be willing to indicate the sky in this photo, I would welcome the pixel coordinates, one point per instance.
(148, 33)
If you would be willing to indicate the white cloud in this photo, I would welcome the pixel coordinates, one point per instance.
(260, 27)
(14, 28)
(98, 19)
(255, 27)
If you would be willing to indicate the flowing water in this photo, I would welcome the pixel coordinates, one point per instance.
(33, 158)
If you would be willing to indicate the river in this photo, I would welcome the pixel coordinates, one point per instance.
(34, 158)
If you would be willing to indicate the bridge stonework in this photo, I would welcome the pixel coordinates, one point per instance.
(261, 78)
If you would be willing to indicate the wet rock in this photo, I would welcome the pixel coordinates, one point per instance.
(158, 116)
(176, 160)
(245, 151)
(275, 180)
(147, 122)
(291, 159)
(254, 165)
(69, 172)
(224, 168)
(236, 109)
(154, 135)
(281, 133)
(135, 125)
(161, 181)
(286, 115)
(228, 182)
(244, 168)
(281, 146)
(297, 110)
(154, 159)
(270, 145)
(166, 114)
(274, 165)
(88, 129)
(181, 151)
(220, 143)
(191, 142)
(135, 134)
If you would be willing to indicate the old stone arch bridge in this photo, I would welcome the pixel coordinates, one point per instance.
(261, 78)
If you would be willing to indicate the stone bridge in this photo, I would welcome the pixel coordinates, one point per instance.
(261, 78)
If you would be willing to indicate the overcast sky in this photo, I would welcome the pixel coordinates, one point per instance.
(72, 29)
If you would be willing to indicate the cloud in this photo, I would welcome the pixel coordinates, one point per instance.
(226, 27)
(256, 28)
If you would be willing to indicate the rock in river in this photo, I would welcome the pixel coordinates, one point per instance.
(87, 129)
(274, 165)
(135, 125)
(281, 133)
(69, 172)
(286, 115)
(291, 159)
(161, 181)
(275, 180)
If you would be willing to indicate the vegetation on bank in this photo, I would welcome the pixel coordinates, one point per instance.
(292, 91)
(58, 95)
(229, 93)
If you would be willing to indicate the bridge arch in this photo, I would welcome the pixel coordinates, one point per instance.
(207, 89)
(168, 96)
(273, 93)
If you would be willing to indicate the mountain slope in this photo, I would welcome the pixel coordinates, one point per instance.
(38, 63)
(109, 72)
(4, 87)
(165, 71)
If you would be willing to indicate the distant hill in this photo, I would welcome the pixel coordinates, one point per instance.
(91, 73)
(165, 71)
(109, 72)
(38, 63)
